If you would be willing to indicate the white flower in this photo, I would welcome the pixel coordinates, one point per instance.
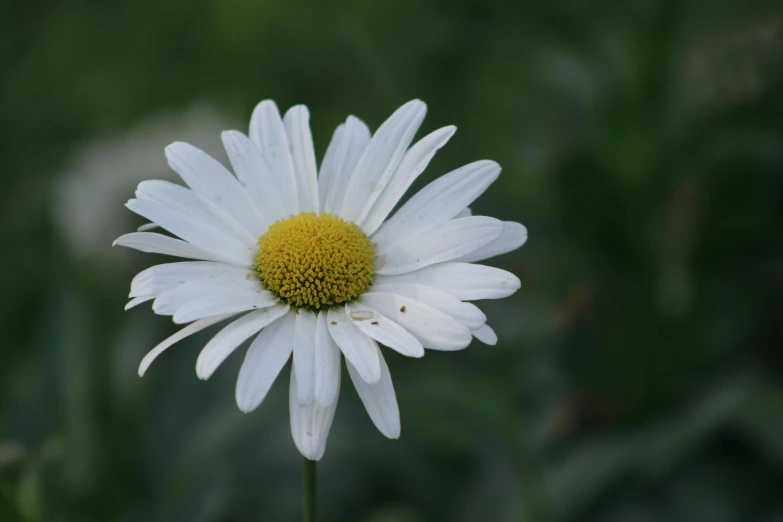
(313, 263)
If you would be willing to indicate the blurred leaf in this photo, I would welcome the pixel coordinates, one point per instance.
(649, 451)
(760, 419)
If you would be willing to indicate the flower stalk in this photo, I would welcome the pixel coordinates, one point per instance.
(309, 489)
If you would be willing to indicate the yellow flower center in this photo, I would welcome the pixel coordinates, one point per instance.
(312, 261)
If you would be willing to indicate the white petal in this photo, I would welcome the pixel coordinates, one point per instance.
(159, 278)
(331, 164)
(211, 180)
(184, 226)
(168, 302)
(342, 155)
(185, 332)
(137, 301)
(466, 313)
(327, 363)
(514, 236)
(438, 202)
(304, 355)
(220, 305)
(433, 328)
(486, 335)
(310, 424)
(263, 361)
(160, 244)
(300, 140)
(357, 347)
(379, 400)
(198, 210)
(380, 159)
(413, 163)
(229, 338)
(465, 212)
(440, 243)
(465, 281)
(268, 133)
(254, 174)
(146, 227)
(384, 330)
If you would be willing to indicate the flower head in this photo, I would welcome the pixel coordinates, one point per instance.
(309, 264)
(313, 261)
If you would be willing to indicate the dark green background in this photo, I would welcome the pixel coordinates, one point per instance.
(638, 376)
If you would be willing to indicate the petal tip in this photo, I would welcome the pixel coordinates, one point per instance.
(311, 453)
(229, 138)
(244, 406)
(177, 318)
(392, 433)
(267, 105)
(172, 147)
(202, 372)
(300, 107)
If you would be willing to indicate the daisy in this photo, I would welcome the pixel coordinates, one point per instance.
(308, 263)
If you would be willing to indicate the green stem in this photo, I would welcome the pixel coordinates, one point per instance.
(309, 487)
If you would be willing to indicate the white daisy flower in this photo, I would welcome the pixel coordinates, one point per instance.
(306, 261)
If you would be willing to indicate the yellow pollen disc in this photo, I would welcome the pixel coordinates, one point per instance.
(313, 260)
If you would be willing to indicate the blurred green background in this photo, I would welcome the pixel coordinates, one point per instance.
(638, 376)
